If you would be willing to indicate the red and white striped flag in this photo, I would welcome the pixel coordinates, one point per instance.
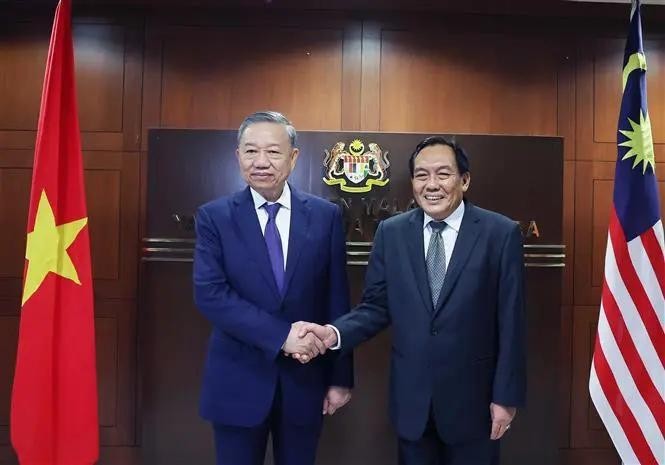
(627, 382)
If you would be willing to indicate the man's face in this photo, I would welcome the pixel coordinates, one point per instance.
(266, 158)
(437, 185)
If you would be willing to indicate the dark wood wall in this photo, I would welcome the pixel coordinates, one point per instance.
(327, 70)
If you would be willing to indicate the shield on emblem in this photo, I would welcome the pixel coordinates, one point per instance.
(356, 168)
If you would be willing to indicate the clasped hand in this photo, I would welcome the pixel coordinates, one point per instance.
(307, 341)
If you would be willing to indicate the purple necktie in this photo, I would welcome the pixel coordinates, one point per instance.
(274, 243)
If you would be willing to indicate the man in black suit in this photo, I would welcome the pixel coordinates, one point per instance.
(448, 277)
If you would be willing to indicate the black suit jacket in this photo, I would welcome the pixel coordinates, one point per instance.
(462, 355)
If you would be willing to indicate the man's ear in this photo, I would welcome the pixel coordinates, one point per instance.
(294, 157)
(466, 181)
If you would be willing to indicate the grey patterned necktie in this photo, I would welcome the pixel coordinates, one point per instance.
(436, 260)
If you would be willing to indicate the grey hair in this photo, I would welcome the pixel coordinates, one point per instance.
(268, 117)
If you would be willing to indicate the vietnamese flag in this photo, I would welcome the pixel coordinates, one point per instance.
(54, 397)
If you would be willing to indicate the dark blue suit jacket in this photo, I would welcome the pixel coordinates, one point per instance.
(466, 352)
(235, 289)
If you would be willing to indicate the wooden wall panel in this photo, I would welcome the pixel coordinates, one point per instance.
(601, 192)
(22, 58)
(565, 373)
(107, 77)
(309, 69)
(106, 337)
(566, 97)
(112, 193)
(299, 71)
(112, 189)
(608, 61)
(467, 82)
(15, 186)
(116, 364)
(370, 98)
(352, 77)
(566, 129)
(599, 95)
(15, 180)
(8, 338)
(9, 324)
(594, 183)
(103, 192)
(586, 430)
(569, 176)
(116, 367)
(589, 457)
(99, 59)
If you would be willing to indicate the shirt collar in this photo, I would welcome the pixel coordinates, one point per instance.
(454, 220)
(284, 200)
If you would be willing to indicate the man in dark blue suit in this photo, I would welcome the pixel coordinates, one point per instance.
(448, 277)
(267, 258)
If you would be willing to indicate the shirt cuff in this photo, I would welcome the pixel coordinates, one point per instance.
(339, 338)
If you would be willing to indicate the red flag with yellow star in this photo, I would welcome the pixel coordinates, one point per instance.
(54, 397)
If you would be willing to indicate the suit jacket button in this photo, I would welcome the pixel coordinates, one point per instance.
(434, 332)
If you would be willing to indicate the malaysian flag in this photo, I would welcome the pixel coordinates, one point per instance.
(627, 382)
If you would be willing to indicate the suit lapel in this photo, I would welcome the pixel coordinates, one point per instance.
(466, 239)
(416, 246)
(249, 230)
(298, 234)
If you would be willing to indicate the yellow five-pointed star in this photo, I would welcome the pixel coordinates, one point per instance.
(46, 249)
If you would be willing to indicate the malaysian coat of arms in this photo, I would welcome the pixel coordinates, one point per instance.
(356, 170)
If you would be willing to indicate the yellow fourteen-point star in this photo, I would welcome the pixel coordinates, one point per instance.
(640, 143)
(46, 249)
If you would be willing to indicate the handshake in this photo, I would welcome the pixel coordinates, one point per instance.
(306, 341)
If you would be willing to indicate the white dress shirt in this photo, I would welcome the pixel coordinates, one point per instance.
(283, 219)
(449, 235)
